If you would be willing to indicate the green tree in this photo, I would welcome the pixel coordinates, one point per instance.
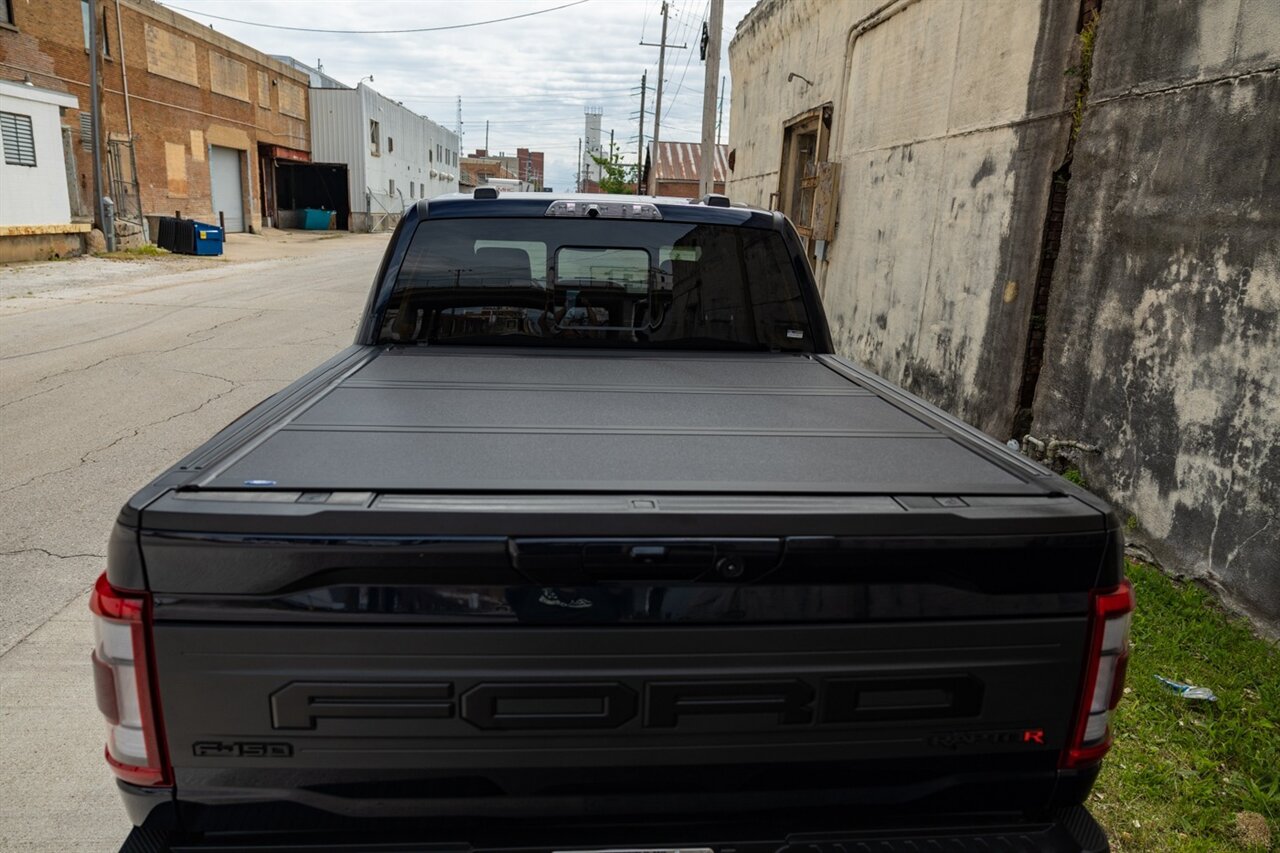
(618, 177)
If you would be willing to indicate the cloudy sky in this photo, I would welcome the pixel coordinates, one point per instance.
(529, 78)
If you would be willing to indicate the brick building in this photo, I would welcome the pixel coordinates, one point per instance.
(531, 167)
(528, 167)
(207, 114)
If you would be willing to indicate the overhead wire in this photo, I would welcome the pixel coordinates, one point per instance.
(375, 32)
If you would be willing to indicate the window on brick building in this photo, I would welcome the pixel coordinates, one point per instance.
(6, 12)
(86, 9)
(19, 142)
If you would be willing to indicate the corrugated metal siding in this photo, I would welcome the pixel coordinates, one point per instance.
(682, 161)
(339, 134)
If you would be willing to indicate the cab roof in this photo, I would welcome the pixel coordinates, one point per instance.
(535, 204)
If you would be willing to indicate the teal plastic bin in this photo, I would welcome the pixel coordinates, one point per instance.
(315, 220)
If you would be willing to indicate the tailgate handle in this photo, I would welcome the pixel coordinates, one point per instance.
(648, 561)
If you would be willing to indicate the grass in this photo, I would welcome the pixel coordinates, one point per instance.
(1073, 475)
(146, 250)
(1180, 772)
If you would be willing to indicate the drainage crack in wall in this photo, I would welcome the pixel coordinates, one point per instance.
(1051, 240)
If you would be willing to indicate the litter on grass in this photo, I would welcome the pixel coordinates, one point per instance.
(1187, 691)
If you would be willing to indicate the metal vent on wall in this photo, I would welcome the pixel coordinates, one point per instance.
(19, 142)
(86, 131)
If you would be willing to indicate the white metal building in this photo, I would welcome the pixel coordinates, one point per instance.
(34, 171)
(394, 156)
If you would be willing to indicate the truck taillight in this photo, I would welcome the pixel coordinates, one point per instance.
(122, 676)
(1104, 675)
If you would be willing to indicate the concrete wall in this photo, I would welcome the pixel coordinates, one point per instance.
(1164, 323)
(949, 119)
(36, 195)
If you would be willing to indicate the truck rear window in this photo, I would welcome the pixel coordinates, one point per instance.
(596, 282)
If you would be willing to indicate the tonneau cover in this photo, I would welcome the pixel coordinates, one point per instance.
(537, 420)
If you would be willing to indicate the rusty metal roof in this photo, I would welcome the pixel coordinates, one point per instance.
(680, 161)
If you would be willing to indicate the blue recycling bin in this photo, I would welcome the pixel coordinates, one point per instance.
(315, 220)
(207, 240)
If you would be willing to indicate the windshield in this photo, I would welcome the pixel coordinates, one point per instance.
(593, 282)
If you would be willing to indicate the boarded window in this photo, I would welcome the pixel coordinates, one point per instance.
(171, 56)
(264, 90)
(175, 164)
(19, 142)
(293, 99)
(803, 173)
(228, 77)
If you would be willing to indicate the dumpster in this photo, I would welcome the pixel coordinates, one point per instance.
(206, 239)
(164, 235)
(315, 220)
(184, 236)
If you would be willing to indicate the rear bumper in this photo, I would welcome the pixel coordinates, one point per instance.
(1071, 830)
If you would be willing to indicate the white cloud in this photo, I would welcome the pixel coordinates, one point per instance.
(530, 78)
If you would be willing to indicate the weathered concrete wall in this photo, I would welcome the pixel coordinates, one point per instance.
(949, 119)
(1164, 325)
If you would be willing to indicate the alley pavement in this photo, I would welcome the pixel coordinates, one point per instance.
(110, 371)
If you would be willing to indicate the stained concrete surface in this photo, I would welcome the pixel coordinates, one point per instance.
(1163, 331)
(110, 371)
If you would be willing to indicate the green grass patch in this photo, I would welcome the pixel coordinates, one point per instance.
(1073, 475)
(146, 250)
(1181, 772)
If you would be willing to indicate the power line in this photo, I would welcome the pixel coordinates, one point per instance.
(680, 85)
(376, 32)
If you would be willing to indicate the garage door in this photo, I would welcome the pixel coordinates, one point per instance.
(228, 199)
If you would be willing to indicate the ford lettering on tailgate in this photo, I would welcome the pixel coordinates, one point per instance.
(660, 704)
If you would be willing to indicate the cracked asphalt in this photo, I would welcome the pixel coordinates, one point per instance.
(109, 372)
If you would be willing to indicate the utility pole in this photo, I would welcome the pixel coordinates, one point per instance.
(662, 65)
(720, 119)
(577, 175)
(457, 128)
(644, 79)
(486, 137)
(706, 175)
(95, 125)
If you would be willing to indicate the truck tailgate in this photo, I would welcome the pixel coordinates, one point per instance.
(479, 582)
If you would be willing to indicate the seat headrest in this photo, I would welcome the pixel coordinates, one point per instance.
(502, 262)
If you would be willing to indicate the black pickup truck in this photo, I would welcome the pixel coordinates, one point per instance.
(590, 542)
